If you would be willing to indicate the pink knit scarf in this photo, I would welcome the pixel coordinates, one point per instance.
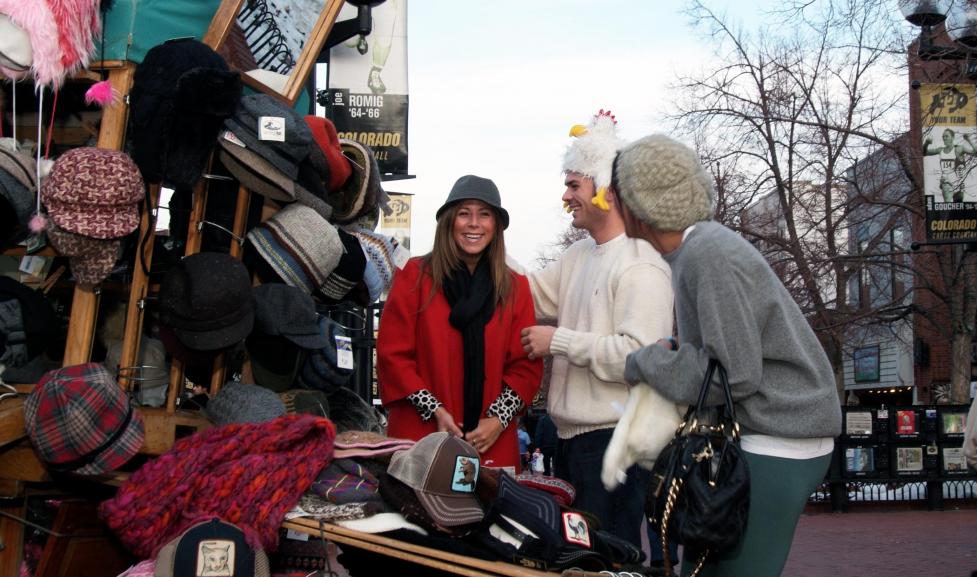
(246, 474)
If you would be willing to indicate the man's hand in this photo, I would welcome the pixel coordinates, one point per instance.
(536, 340)
(485, 434)
(446, 422)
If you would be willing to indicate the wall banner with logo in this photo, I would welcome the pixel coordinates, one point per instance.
(367, 90)
(397, 223)
(949, 127)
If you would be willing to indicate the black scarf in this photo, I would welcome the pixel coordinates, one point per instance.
(472, 300)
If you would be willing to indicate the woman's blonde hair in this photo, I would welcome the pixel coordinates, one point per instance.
(445, 256)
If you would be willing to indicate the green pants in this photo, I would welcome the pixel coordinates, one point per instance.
(779, 489)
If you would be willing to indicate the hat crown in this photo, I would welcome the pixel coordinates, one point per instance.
(98, 176)
(471, 187)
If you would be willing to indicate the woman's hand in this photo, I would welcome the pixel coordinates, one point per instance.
(446, 422)
(485, 434)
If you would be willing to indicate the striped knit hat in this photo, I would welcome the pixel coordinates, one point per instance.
(299, 245)
(380, 268)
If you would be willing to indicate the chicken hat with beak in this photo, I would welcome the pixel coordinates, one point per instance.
(592, 153)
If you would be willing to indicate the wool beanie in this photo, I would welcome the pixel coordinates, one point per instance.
(361, 194)
(299, 245)
(248, 474)
(243, 403)
(663, 183)
(380, 268)
(349, 270)
(324, 134)
(61, 33)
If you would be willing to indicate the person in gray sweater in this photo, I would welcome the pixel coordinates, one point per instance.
(731, 306)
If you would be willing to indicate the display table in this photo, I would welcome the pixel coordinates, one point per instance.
(451, 562)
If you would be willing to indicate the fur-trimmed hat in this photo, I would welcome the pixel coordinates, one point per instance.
(61, 34)
(592, 153)
(663, 183)
(181, 94)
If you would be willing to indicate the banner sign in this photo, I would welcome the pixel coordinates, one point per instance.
(949, 127)
(397, 223)
(367, 89)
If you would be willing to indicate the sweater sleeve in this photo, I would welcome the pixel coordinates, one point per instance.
(727, 322)
(397, 338)
(545, 287)
(521, 374)
(642, 314)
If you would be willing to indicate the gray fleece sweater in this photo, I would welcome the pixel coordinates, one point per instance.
(730, 305)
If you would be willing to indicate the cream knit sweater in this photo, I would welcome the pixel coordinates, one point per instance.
(608, 300)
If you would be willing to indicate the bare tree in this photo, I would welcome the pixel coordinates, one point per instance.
(553, 251)
(782, 120)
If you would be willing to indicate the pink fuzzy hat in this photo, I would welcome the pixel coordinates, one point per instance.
(62, 36)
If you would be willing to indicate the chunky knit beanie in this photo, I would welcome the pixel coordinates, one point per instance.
(662, 182)
(246, 474)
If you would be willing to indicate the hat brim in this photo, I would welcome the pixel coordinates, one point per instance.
(121, 451)
(311, 341)
(256, 174)
(503, 213)
(274, 362)
(102, 222)
(287, 166)
(451, 511)
(216, 339)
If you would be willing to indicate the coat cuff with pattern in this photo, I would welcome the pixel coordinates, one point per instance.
(506, 406)
(425, 403)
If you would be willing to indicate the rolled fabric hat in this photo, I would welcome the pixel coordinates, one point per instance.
(300, 245)
(94, 192)
(80, 420)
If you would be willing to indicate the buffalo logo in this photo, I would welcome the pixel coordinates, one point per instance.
(465, 474)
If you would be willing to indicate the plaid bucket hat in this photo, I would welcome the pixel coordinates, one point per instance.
(442, 470)
(94, 192)
(79, 420)
(206, 299)
(299, 245)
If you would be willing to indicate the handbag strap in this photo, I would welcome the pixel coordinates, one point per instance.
(730, 411)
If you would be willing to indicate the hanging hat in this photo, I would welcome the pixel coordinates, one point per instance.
(299, 245)
(284, 310)
(61, 34)
(211, 548)
(321, 369)
(206, 299)
(349, 270)
(663, 183)
(80, 420)
(182, 92)
(90, 259)
(243, 403)
(38, 324)
(361, 193)
(94, 192)
(302, 401)
(380, 268)
(272, 130)
(17, 190)
(325, 136)
(442, 470)
(471, 187)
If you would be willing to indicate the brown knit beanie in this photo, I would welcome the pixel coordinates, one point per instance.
(662, 182)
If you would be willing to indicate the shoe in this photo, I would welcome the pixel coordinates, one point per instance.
(375, 82)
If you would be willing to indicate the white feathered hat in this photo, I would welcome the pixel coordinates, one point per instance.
(592, 153)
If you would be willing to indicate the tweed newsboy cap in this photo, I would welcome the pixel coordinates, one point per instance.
(206, 299)
(287, 311)
(80, 420)
(284, 155)
(663, 183)
(244, 403)
(299, 245)
(94, 192)
(471, 187)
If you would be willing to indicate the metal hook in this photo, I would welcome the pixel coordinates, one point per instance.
(238, 239)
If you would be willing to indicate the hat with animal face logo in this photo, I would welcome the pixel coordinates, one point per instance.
(442, 470)
(211, 547)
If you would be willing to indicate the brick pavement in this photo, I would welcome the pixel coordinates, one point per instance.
(893, 544)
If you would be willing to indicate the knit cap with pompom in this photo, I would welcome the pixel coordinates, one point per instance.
(663, 183)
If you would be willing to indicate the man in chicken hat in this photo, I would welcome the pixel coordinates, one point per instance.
(608, 295)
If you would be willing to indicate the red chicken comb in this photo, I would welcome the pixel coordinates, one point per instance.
(606, 113)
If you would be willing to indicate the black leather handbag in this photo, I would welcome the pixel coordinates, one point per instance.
(700, 488)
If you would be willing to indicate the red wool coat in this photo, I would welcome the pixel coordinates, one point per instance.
(418, 349)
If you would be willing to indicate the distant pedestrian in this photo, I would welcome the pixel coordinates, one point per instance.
(546, 439)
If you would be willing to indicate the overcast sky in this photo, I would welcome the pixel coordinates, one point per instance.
(495, 87)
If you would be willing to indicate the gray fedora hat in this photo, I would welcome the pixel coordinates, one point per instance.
(471, 187)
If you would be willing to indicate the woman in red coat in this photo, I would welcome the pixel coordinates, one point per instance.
(449, 356)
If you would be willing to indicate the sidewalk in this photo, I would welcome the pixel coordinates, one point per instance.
(894, 544)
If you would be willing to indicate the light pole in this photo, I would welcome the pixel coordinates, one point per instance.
(960, 20)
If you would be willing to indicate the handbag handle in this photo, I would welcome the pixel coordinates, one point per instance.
(727, 394)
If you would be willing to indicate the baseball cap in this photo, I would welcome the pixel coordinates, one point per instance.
(211, 548)
(442, 470)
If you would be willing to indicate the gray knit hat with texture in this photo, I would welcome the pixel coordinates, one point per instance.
(244, 403)
(663, 183)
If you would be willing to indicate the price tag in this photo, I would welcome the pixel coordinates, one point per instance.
(271, 128)
(232, 138)
(344, 352)
(296, 535)
(32, 265)
(401, 256)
